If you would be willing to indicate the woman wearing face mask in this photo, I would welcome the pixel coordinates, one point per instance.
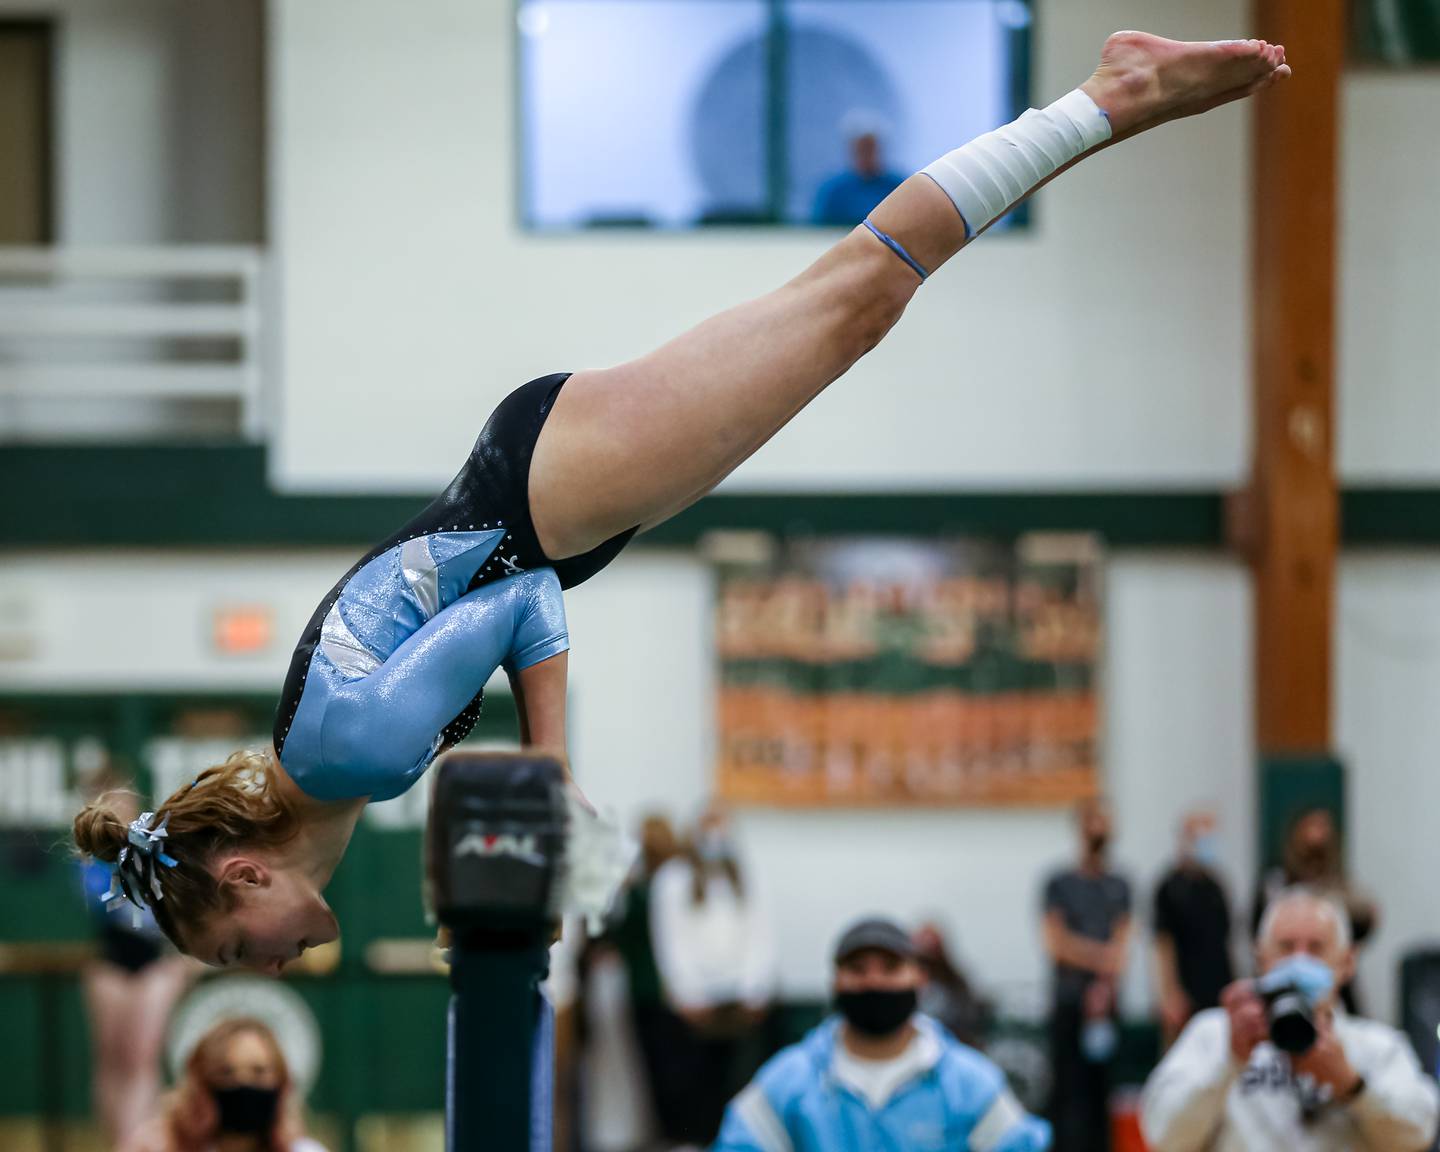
(1314, 859)
(236, 1095)
(717, 973)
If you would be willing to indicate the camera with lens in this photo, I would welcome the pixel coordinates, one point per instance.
(1290, 1014)
(1290, 991)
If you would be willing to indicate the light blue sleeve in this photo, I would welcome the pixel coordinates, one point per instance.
(1030, 1134)
(756, 1120)
(540, 631)
(978, 1096)
(735, 1134)
(380, 731)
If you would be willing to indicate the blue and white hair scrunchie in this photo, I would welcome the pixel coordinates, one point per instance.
(135, 877)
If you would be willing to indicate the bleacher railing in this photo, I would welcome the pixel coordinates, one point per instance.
(105, 323)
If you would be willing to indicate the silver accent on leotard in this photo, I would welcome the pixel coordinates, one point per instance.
(418, 567)
(341, 647)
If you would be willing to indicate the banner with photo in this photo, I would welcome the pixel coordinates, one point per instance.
(877, 671)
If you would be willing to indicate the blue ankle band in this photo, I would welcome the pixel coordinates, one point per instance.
(894, 246)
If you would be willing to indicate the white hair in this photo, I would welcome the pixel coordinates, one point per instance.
(1310, 897)
(860, 122)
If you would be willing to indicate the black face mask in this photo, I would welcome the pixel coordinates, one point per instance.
(1315, 856)
(876, 1011)
(247, 1110)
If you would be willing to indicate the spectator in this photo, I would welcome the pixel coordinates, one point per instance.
(614, 1109)
(236, 1095)
(878, 1075)
(1225, 1085)
(947, 997)
(131, 988)
(1313, 858)
(1086, 933)
(1192, 929)
(848, 197)
(713, 951)
(655, 1024)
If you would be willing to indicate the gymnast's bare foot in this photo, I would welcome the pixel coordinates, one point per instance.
(1144, 80)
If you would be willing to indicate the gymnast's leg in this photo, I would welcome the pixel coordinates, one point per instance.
(636, 444)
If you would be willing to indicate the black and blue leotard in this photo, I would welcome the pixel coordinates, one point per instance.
(393, 663)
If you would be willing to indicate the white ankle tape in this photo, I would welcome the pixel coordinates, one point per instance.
(990, 174)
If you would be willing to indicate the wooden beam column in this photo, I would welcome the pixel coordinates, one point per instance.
(1292, 508)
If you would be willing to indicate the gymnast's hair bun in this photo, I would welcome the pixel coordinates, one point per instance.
(100, 831)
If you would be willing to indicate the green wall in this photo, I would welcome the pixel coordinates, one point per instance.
(383, 1035)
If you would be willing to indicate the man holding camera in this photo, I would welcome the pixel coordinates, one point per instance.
(1280, 1066)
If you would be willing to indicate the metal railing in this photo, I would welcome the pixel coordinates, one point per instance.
(79, 324)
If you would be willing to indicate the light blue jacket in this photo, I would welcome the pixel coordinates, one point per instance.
(959, 1103)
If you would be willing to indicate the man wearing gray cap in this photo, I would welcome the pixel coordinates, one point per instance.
(878, 1074)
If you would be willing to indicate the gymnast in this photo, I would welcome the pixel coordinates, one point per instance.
(568, 468)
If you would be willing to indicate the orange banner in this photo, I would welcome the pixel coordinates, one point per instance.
(900, 672)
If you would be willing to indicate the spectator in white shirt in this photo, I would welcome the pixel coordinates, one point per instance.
(1234, 1081)
(714, 953)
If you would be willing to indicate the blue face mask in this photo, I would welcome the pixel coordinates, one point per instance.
(1206, 850)
(1311, 977)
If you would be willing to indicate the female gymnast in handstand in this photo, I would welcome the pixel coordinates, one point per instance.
(566, 471)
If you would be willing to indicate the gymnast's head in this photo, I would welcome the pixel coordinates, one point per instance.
(222, 864)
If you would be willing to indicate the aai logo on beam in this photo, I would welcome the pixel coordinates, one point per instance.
(523, 847)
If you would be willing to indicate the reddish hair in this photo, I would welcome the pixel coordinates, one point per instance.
(192, 1120)
(235, 804)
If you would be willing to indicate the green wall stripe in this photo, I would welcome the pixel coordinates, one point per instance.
(1178, 519)
(204, 495)
(198, 495)
(1390, 517)
(174, 495)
